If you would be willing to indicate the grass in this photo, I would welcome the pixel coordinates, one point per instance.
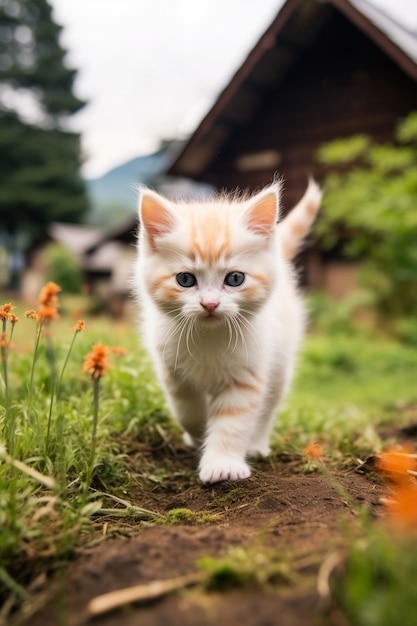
(62, 463)
(346, 388)
(57, 437)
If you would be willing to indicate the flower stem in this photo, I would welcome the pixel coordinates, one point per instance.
(90, 469)
(55, 393)
(35, 358)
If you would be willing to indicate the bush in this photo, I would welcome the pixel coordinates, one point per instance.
(63, 268)
(372, 197)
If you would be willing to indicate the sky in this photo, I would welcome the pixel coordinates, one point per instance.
(151, 69)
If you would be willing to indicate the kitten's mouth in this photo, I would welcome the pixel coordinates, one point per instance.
(210, 318)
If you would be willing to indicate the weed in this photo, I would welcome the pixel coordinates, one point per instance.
(53, 441)
(241, 567)
(380, 567)
(186, 516)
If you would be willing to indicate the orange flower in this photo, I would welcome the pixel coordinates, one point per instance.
(5, 311)
(96, 361)
(47, 314)
(31, 315)
(313, 450)
(13, 319)
(49, 295)
(79, 326)
(403, 506)
(48, 303)
(396, 463)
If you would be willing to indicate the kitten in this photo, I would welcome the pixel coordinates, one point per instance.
(221, 316)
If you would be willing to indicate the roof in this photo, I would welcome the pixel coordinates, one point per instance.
(76, 238)
(295, 27)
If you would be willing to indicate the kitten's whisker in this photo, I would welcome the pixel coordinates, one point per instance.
(249, 327)
(230, 329)
(182, 325)
(189, 335)
(238, 335)
(173, 327)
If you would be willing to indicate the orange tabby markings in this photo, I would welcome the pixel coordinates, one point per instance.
(158, 282)
(261, 278)
(210, 237)
(231, 411)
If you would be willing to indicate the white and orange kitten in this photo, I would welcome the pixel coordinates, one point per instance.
(221, 316)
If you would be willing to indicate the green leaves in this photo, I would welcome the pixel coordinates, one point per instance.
(370, 205)
(39, 159)
(344, 150)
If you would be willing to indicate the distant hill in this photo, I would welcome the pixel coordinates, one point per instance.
(113, 195)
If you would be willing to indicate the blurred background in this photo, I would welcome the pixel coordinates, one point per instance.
(193, 96)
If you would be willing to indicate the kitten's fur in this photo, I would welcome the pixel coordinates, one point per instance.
(224, 351)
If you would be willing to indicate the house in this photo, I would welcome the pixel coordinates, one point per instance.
(106, 257)
(74, 238)
(323, 69)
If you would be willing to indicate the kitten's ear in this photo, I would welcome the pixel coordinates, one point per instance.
(155, 215)
(263, 210)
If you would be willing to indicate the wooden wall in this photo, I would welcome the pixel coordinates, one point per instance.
(342, 85)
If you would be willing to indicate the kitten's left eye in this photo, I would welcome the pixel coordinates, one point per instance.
(186, 279)
(234, 279)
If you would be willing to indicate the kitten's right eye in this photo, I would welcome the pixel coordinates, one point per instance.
(185, 279)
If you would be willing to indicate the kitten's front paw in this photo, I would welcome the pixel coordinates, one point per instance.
(224, 470)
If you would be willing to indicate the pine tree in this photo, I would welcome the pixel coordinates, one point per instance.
(39, 157)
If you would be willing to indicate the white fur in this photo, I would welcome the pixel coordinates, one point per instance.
(208, 366)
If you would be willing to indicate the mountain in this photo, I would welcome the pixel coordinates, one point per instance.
(113, 195)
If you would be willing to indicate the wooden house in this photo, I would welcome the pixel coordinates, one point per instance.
(323, 69)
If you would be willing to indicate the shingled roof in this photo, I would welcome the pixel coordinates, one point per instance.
(297, 24)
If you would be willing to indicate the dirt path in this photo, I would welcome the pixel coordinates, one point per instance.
(280, 510)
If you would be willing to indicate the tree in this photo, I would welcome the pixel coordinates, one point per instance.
(40, 177)
(373, 198)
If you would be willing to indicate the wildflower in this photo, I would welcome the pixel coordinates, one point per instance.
(79, 326)
(313, 450)
(13, 319)
(5, 311)
(96, 361)
(397, 464)
(402, 507)
(31, 315)
(48, 303)
(400, 467)
(47, 314)
(49, 295)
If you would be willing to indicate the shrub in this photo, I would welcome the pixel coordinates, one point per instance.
(63, 268)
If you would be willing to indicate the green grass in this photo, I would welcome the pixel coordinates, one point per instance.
(50, 457)
(347, 386)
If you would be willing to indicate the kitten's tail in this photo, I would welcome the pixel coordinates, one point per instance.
(297, 224)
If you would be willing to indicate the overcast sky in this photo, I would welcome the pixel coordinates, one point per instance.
(150, 69)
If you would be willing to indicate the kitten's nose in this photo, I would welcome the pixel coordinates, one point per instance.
(209, 306)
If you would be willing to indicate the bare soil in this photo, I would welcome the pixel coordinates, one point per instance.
(282, 507)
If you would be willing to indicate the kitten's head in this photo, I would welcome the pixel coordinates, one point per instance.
(210, 261)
